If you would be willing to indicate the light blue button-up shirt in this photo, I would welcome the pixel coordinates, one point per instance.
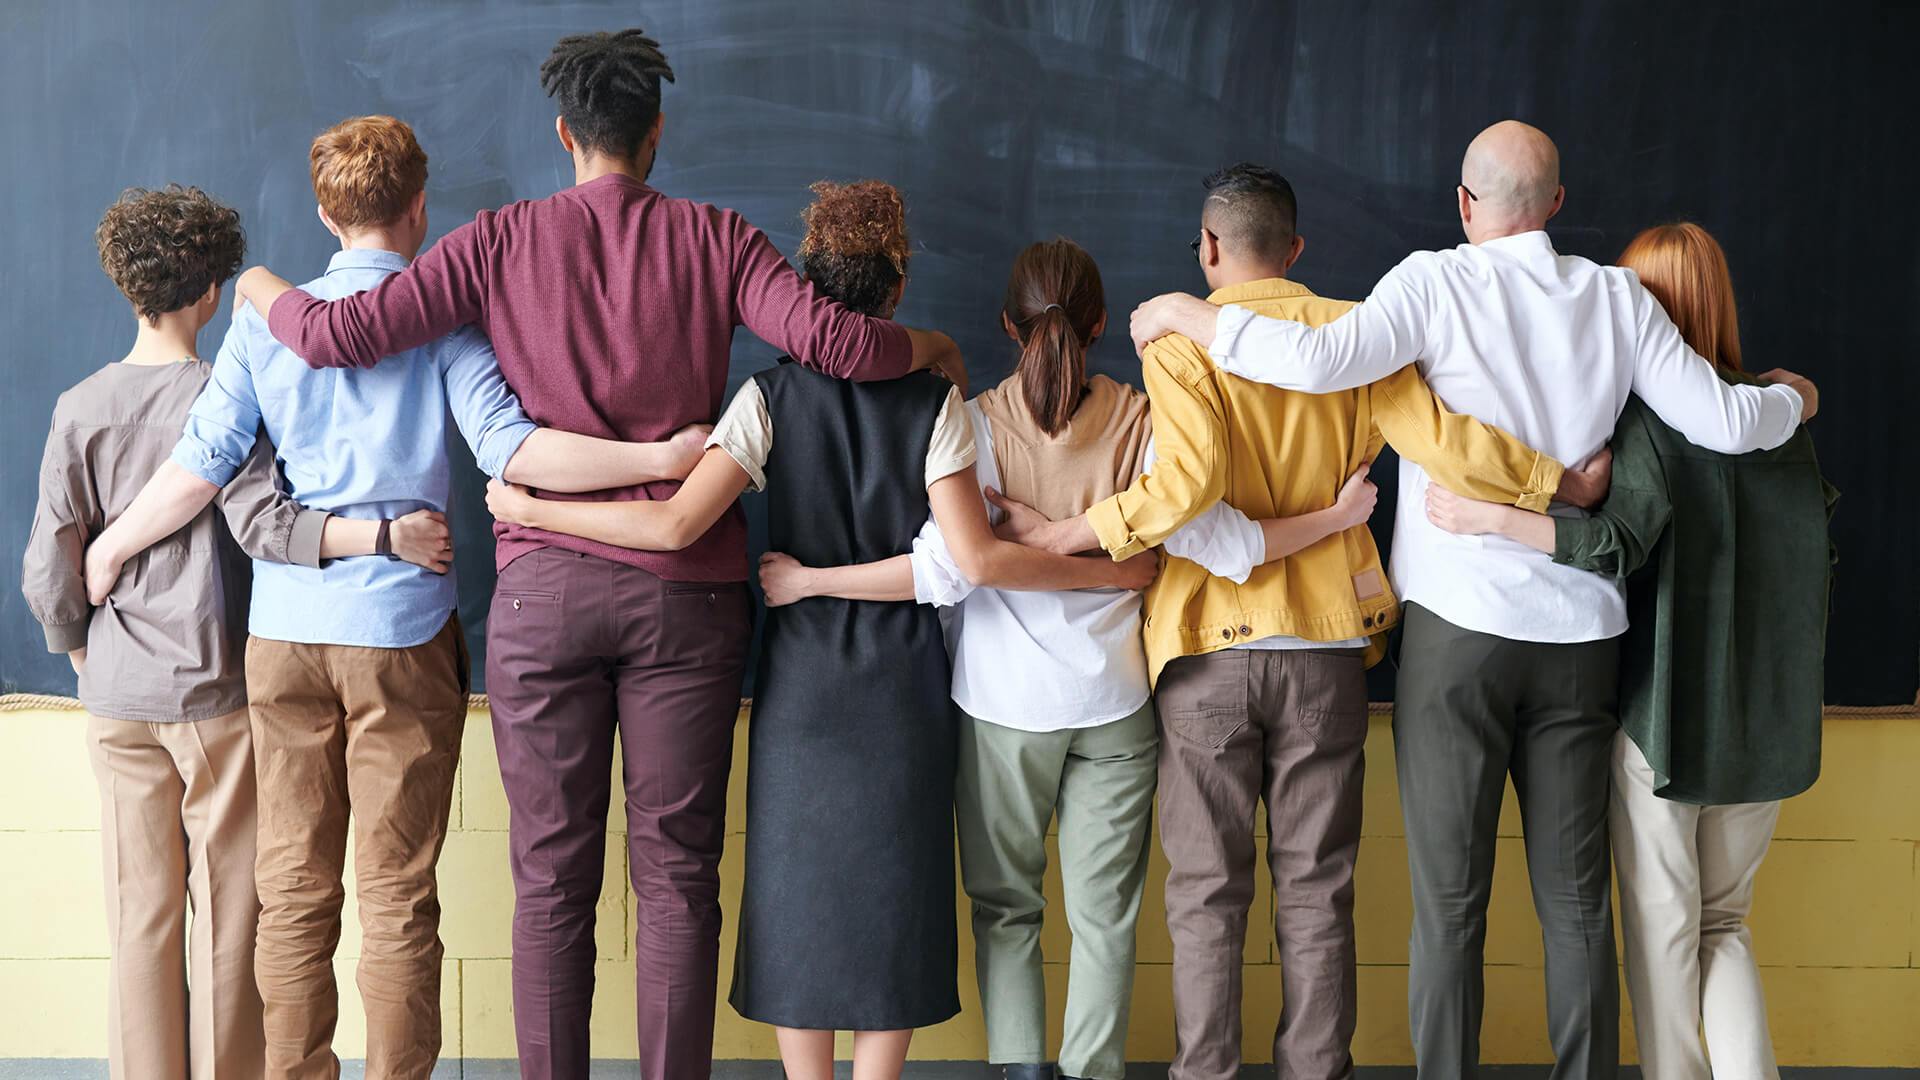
(367, 443)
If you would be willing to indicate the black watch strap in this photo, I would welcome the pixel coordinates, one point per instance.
(383, 539)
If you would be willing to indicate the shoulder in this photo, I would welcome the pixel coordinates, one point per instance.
(80, 404)
(1178, 357)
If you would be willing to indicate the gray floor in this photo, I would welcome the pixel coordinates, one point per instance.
(502, 1069)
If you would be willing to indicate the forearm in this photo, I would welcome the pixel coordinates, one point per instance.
(640, 524)
(1287, 535)
(1068, 536)
(888, 579)
(164, 506)
(1002, 564)
(344, 538)
(1534, 530)
(934, 351)
(564, 461)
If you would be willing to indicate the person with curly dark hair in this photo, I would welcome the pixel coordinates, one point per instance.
(846, 916)
(612, 306)
(159, 662)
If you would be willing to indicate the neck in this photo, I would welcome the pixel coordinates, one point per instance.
(590, 167)
(379, 238)
(1231, 274)
(172, 338)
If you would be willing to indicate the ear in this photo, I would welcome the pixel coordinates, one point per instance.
(1559, 200)
(659, 126)
(899, 290)
(1209, 247)
(566, 135)
(1466, 204)
(212, 298)
(417, 209)
(1293, 256)
(1007, 325)
(327, 221)
(1098, 328)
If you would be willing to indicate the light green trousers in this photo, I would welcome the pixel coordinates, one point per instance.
(1100, 781)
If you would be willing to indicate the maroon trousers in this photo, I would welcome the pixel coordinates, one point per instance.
(581, 651)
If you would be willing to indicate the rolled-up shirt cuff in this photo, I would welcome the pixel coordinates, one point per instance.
(1110, 528)
(1226, 334)
(502, 445)
(755, 470)
(201, 460)
(1541, 485)
(303, 546)
(64, 638)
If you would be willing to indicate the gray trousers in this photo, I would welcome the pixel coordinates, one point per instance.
(1470, 709)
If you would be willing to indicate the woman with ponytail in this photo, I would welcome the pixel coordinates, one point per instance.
(1051, 687)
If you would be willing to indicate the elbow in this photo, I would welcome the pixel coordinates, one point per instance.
(979, 566)
(679, 534)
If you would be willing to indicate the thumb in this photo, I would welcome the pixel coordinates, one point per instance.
(997, 499)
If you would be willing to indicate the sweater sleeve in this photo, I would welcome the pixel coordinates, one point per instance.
(787, 312)
(51, 576)
(436, 294)
(1620, 537)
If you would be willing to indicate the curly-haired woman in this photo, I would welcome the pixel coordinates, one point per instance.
(847, 918)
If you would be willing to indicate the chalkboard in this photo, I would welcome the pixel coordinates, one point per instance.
(1789, 136)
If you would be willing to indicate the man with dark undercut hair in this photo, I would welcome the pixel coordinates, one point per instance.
(611, 307)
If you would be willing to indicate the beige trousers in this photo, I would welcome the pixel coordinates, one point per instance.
(177, 835)
(377, 731)
(1686, 885)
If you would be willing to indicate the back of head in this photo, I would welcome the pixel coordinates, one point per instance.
(607, 85)
(855, 249)
(164, 249)
(1684, 268)
(1513, 171)
(1251, 209)
(1054, 304)
(366, 171)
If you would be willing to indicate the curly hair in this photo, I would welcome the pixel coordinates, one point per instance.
(856, 243)
(366, 170)
(166, 248)
(608, 87)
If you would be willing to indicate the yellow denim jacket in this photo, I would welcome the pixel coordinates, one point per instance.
(1278, 453)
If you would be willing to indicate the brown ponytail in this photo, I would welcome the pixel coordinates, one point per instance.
(1054, 302)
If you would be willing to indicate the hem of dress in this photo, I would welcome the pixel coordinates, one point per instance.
(815, 1023)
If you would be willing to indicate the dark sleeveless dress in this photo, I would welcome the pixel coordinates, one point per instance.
(847, 919)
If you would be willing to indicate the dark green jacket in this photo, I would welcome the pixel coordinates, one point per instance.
(1727, 563)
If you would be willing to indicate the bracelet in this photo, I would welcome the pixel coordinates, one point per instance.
(383, 539)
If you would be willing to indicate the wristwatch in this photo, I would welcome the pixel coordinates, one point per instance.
(383, 539)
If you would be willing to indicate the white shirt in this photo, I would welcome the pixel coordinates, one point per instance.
(1547, 346)
(1053, 661)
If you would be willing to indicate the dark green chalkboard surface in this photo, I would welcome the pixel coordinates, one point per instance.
(1790, 136)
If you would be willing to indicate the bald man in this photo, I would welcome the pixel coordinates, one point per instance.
(1508, 662)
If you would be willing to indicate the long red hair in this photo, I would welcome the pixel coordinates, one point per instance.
(1683, 267)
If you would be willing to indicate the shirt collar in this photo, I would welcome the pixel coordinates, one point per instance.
(366, 259)
(1534, 242)
(1272, 288)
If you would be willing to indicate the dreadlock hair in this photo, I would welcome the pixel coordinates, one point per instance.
(608, 87)
(855, 249)
(1054, 302)
(1252, 210)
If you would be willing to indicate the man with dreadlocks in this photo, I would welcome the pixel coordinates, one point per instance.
(612, 308)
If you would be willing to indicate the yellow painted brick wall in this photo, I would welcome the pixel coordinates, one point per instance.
(1837, 921)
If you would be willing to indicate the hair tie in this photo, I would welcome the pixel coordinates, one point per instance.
(1053, 307)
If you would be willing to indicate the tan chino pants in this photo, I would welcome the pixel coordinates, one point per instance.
(177, 835)
(374, 731)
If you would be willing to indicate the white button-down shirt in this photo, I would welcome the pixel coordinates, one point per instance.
(1547, 346)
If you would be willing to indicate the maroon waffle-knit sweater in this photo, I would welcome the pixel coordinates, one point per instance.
(612, 309)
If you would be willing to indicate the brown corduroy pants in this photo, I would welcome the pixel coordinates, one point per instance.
(1289, 728)
(374, 731)
(176, 833)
